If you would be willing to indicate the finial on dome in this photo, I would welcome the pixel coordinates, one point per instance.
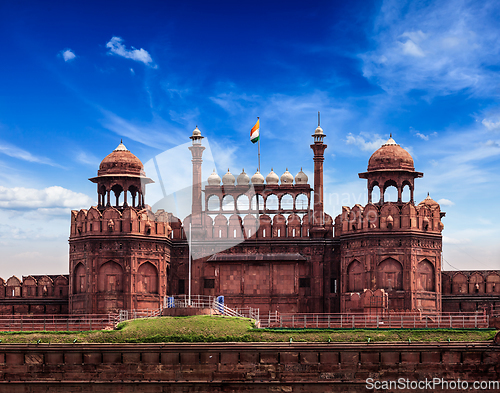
(196, 137)
(121, 147)
(318, 119)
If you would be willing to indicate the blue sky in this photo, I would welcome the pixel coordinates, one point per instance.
(76, 77)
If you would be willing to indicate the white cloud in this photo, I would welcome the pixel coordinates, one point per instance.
(16, 152)
(438, 47)
(424, 137)
(54, 197)
(445, 202)
(116, 47)
(491, 124)
(410, 48)
(363, 144)
(68, 55)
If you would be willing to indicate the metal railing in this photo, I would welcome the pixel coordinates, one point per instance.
(391, 320)
(57, 322)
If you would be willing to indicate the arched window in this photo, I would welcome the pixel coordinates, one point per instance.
(272, 202)
(390, 275)
(301, 202)
(213, 203)
(243, 203)
(406, 195)
(286, 202)
(391, 194)
(375, 194)
(425, 276)
(228, 203)
(355, 277)
(257, 206)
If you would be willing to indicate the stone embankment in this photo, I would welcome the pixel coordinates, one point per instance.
(259, 367)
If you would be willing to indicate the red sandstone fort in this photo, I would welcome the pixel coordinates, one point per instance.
(258, 241)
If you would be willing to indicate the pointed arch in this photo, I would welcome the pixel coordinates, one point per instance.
(147, 278)
(425, 276)
(110, 277)
(390, 275)
(355, 277)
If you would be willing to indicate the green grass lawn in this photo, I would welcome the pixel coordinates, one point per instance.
(228, 329)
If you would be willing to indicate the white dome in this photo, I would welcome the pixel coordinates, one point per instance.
(272, 178)
(287, 177)
(228, 179)
(214, 179)
(257, 178)
(243, 179)
(318, 131)
(196, 132)
(301, 178)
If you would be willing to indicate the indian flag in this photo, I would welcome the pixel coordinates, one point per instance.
(254, 133)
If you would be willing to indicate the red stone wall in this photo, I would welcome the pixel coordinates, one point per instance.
(240, 367)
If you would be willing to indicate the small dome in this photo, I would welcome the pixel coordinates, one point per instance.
(257, 178)
(121, 162)
(214, 179)
(287, 177)
(428, 201)
(228, 179)
(196, 132)
(272, 178)
(301, 178)
(318, 131)
(391, 156)
(243, 179)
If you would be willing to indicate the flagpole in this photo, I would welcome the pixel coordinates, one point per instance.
(259, 142)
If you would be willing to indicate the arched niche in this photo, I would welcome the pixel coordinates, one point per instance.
(355, 277)
(493, 283)
(476, 283)
(79, 279)
(147, 279)
(459, 284)
(390, 275)
(425, 276)
(110, 277)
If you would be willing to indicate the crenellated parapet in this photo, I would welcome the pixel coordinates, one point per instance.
(112, 221)
(425, 217)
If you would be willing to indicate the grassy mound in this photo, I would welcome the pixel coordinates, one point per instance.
(204, 328)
